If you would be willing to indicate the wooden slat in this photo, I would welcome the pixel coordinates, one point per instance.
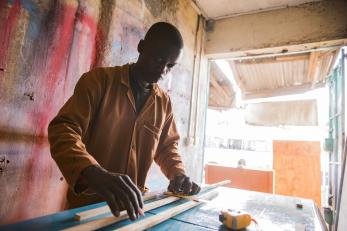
(105, 209)
(273, 59)
(167, 214)
(292, 58)
(237, 77)
(221, 95)
(312, 66)
(102, 222)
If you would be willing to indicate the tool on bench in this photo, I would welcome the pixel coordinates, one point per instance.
(232, 219)
(235, 219)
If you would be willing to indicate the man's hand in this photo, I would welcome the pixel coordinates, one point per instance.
(182, 184)
(117, 189)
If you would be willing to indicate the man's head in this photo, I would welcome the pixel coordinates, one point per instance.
(159, 51)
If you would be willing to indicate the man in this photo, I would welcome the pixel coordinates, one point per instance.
(118, 120)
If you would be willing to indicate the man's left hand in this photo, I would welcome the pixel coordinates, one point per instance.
(182, 184)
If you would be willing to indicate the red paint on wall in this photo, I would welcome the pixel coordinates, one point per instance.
(56, 69)
(82, 52)
(39, 162)
(58, 62)
(7, 29)
(88, 22)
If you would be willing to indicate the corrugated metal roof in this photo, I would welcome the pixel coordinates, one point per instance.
(257, 76)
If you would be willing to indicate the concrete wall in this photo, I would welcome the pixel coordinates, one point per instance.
(303, 27)
(45, 47)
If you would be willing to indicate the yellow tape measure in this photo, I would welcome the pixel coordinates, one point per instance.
(235, 219)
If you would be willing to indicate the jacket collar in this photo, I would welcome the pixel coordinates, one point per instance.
(125, 80)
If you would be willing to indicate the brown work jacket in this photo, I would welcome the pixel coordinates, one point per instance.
(99, 125)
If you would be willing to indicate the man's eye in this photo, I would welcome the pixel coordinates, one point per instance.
(170, 65)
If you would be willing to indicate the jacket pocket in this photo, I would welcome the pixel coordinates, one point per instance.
(152, 129)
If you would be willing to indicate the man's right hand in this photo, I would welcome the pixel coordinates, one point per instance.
(117, 189)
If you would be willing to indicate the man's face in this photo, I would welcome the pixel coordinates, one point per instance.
(157, 58)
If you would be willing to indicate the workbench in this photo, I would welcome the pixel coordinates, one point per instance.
(272, 212)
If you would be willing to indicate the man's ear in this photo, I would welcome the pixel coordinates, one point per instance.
(140, 46)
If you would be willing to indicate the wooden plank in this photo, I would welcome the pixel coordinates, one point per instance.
(220, 90)
(167, 214)
(102, 222)
(297, 169)
(312, 66)
(106, 209)
(296, 57)
(274, 59)
(237, 77)
(242, 178)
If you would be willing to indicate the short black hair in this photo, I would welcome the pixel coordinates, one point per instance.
(164, 30)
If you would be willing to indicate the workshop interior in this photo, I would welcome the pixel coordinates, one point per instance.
(258, 100)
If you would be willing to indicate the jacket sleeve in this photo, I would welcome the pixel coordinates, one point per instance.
(67, 129)
(167, 156)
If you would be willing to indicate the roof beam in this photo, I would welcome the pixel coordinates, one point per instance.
(312, 66)
(237, 76)
(283, 31)
(223, 97)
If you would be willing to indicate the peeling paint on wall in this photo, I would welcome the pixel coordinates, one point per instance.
(45, 46)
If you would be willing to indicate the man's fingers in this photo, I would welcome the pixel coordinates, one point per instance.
(127, 205)
(131, 195)
(136, 190)
(126, 196)
(195, 189)
(170, 188)
(177, 185)
(112, 202)
(187, 185)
